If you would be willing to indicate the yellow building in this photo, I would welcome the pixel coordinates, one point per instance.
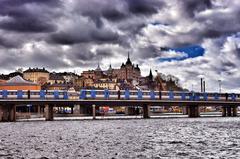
(106, 84)
(58, 86)
(40, 76)
(55, 78)
(88, 82)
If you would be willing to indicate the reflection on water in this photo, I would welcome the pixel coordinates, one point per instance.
(153, 138)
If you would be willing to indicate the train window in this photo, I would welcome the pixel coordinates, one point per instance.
(99, 92)
(113, 93)
(132, 93)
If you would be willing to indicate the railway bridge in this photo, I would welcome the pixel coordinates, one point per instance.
(8, 106)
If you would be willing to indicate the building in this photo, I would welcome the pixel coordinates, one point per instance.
(106, 84)
(69, 77)
(88, 83)
(93, 74)
(40, 76)
(127, 71)
(2, 81)
(18, 83)
(89, 74)
(58, 86)
(56, 78)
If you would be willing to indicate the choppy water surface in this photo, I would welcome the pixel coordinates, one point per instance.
(153, 138)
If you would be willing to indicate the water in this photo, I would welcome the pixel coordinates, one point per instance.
(138, 138)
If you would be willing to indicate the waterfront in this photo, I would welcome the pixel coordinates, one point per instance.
(137, 138)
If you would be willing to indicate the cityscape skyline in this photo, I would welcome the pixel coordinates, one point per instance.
(190, 40)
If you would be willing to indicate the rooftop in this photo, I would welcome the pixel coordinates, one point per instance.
(18, 80)
(36, 70)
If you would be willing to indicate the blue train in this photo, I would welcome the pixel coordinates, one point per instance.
(114, 95)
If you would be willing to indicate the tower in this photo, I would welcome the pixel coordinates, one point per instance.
(129, 62)
(150, 76)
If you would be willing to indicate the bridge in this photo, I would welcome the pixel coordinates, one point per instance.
(8, 106)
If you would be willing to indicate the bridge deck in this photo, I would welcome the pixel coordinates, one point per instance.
(99, 102)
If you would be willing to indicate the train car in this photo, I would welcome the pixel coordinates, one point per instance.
(117, 95)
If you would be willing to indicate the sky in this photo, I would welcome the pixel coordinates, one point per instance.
(189, 39)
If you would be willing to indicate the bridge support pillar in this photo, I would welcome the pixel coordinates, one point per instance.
(76, 109)
(85, 109)
(94, 111)
(193, 111)
(72, 109)
(39, 109)
(234, 109)
(184, 110)
(12, 113)
(3, 113)
(129, 111)
(48, 112)
(146, 111)
(229, 111)
(224, 111)
(7, 113)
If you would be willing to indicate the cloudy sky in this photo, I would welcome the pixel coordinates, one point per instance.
(189, 39)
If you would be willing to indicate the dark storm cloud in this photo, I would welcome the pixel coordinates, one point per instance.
(114, 15)
(29, 24)
(6, 43)
(10, 3)
(28, 15)
(193, 6)
(93, 36)
(144, 6)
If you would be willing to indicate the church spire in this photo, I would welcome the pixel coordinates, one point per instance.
(150, 76)
(129, 62)
(110, 67)
(98, 67)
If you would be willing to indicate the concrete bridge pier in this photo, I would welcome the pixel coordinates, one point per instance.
(184, 110)
(146, 111)
(12, 114)
(224, 111)
(39, 109)
(193, 111)
(94, 111)
(7, 113)
(76, 109)
(229, 111)
(129, 111)
(234, 111)
(86, 109)
(48, 112)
